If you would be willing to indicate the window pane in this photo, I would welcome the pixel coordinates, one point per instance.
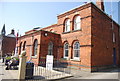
(35, 47)
(68, 22)
(50, 48)
(77, 23)
(76, 53)
(66, 48)
(67, 25)
(76, 50)
(76, 45)
(78, 19)
(78, 26)
(66, 53)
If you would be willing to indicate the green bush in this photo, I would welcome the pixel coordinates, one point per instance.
(16, 58)
(8, 58)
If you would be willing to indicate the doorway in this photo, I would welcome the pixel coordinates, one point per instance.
(114, 56)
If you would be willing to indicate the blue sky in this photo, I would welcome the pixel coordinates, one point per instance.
(24, 16)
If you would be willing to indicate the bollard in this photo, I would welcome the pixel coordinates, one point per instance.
(22, 66)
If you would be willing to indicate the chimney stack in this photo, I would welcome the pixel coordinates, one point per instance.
(12, 31)
(100, 4)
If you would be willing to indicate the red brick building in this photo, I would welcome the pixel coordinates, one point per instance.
(7, 42)
(86, 37)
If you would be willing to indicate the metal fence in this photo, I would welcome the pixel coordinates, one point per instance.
(60, 70)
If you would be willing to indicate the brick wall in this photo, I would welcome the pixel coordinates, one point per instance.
(29, 39)
(102, 38)
(83, 36)
(8, 45)
(42, 45)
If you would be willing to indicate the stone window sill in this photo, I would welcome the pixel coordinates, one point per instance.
(72, 31)
(66, 32)
(77, 30)
(75, 60)
(64, 58)
(34, 57)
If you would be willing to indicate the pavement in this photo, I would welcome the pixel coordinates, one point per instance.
(105, 74)
(7, 74)
(112, 74)
(40, 73)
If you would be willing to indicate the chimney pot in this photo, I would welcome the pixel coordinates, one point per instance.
(12, 31)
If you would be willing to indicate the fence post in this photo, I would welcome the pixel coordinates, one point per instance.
(22, 65)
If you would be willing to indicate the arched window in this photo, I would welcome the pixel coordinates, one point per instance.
(67, 25)
(50, 48)
(66, 50)
(77, 23)
(76, 50)
(35, 47)
(20, 49)
(24, 45)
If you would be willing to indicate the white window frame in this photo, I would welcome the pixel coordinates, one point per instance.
(67, 25)
(74, 49)
(66, 50)
(35, 47)
(50, 48)
(77, 23)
